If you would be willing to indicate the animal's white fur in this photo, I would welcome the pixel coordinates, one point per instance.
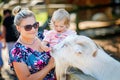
(82, 52)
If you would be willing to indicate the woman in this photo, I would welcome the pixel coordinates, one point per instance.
(28, 57)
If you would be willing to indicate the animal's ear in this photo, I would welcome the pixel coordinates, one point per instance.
(94, 53)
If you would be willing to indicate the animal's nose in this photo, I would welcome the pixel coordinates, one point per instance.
(52, 50)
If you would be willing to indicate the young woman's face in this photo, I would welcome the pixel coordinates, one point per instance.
(28, 27)
(60, 26)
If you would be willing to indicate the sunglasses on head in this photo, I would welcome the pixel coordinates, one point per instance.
(29, 27)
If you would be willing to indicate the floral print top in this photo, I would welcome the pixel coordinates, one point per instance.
(35, 60)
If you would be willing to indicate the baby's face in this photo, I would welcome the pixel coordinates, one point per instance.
(60, 26)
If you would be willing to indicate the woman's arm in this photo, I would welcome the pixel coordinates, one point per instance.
(23, 73)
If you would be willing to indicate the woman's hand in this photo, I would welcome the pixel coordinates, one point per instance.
(51, 62)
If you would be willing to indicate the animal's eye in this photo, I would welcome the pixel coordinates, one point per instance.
(64, 45)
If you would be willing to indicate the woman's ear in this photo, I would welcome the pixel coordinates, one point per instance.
(18, 28)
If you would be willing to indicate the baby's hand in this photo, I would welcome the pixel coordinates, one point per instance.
(46, 48)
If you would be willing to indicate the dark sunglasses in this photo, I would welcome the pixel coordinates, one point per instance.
(29, 27)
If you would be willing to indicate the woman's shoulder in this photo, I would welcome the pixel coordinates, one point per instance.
(16, 45)
(19, 48)
(15, 53)
(16, 48)
(19, 52)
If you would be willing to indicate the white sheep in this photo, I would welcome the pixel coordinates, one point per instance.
(82, 52)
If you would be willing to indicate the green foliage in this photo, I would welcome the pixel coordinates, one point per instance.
(0, 1)
(41, 17)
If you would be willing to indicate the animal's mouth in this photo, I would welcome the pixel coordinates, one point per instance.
(52, 50)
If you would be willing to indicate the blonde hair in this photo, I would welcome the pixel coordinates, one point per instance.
(59, 15)
(20, 14)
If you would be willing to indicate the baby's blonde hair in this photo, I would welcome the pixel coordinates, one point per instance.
(21, 13)
(60, 14)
